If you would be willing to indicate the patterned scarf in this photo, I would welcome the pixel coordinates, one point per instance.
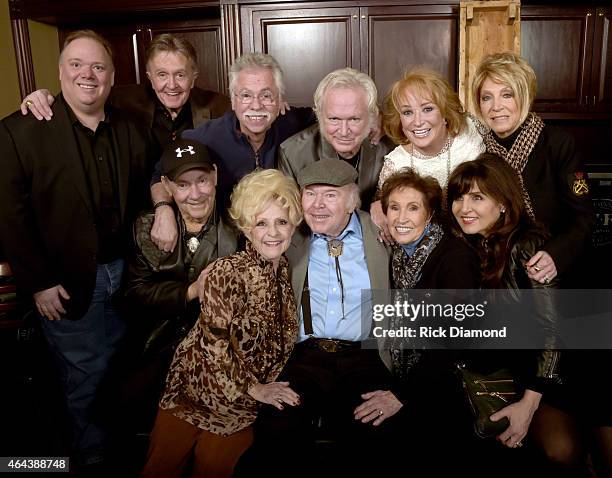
(407, 269)
(519, 153)
(406, 272)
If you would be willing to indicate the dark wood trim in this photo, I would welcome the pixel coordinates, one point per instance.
(62, 11)
(23, 56)
(231, 47)
(339, 3)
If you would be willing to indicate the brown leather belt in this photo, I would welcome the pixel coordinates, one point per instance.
(331, 345)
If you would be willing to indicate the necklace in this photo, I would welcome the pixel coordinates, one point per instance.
(445, 149)
(193, 243)
(334, 249)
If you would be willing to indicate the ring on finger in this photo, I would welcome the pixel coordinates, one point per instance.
(380, 412)
(537, 268)
(29, 103)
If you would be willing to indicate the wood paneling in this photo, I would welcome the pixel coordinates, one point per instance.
(205, 36)
(557, 43)
(62, 11)
(601, 78)
(382, 41)
(399, 38)
(308, 44)
(485, 28)
(23, 56)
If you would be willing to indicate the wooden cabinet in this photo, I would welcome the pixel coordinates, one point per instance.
(568, 48)
(311, 39)
(308, 42)
(396, 38)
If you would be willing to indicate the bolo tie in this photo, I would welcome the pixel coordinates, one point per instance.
(334, 249)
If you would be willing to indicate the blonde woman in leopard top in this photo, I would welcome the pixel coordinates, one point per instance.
(424, 116)
(228, 364)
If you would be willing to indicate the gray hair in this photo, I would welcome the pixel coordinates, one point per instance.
(354, 196)
(168, 43)
(347, 78)
(257, 60)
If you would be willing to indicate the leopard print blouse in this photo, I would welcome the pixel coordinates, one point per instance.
(244, 335)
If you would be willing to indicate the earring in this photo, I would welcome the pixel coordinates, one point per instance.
(502, 210)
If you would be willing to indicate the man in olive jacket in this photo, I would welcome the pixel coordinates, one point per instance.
(345, 103)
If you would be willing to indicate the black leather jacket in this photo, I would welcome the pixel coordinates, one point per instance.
(158, 281)
(515, 278)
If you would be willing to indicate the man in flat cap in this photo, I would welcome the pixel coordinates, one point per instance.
(345, 103)
(164, 286)
(334, 262)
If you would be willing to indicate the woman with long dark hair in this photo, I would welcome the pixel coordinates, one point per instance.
(488, 210)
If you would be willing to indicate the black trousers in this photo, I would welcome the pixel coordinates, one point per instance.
(320, 436)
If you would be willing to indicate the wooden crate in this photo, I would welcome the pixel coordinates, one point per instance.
(485, 27)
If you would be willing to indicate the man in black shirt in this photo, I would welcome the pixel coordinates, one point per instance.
(69, 191)
(169, 105)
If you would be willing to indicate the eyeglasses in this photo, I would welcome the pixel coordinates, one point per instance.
(266, 98)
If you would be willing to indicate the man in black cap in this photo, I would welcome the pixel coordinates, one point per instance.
(164, 286)
(335, 261)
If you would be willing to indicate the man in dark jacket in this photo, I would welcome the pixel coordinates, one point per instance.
(163, 287)
(69, 190)
(246, 137)
(168, 106)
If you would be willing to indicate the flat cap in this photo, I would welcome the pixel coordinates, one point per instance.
(184, 155)
(335, 172)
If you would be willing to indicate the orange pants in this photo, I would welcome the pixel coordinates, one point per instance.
(174, 442)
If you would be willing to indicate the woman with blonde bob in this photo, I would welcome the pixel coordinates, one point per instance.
(551, 170)
(553, 183)
(423, 115)
(228, 363)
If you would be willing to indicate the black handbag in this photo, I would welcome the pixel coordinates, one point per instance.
(487, 394)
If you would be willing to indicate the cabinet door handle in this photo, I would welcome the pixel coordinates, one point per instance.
(594, 100)
(355, 16)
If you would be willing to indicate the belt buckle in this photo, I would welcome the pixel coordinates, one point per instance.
(330, 345)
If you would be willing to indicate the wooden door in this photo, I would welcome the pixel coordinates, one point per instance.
(308, 42)
(558, 43)
(396, 38)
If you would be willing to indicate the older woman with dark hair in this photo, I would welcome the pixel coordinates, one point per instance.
(246, 331)
(423, 115)
(424, 256)
(488, 211)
